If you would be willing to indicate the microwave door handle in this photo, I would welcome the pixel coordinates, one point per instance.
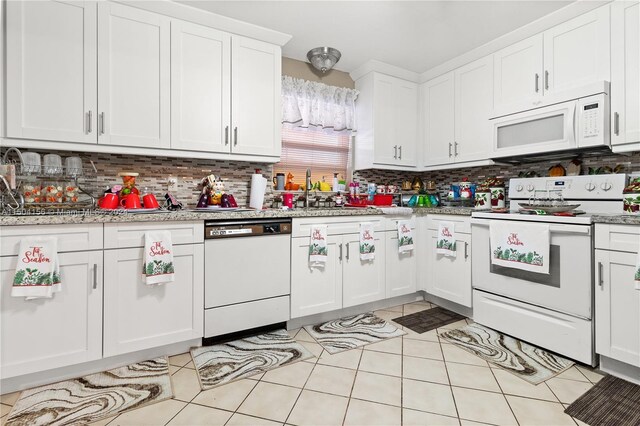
(574, 123)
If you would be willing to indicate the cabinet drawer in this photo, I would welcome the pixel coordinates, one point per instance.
(618, 237)
(391, 222)
(125, 235)
(78, 237)
(462, 223)
(335, 225)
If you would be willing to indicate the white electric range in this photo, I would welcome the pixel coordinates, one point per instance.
(555, 310)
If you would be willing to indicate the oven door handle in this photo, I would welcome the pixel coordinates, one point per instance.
(553, 228)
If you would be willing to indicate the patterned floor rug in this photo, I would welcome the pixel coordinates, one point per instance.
(429, 319)
(94, 397)
(528, 362)
(611, 402)
(220, 364)
(351, 332)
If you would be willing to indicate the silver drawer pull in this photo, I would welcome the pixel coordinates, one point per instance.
(600, 279)
(466, 250)
(95, 276)
(347, 251)
(340, 256)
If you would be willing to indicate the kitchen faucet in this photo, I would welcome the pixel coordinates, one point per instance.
(307, 185)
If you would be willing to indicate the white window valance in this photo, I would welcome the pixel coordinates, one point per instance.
(308, 103)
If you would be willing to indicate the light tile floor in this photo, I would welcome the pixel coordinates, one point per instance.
(416, 379)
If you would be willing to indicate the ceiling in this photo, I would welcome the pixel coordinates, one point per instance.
(414, 35)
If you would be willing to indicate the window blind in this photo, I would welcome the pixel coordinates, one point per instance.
(325, 153)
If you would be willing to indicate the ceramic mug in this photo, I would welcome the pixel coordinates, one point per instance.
(150, 201)
(131, 201)
(278, 181)
(109, 201)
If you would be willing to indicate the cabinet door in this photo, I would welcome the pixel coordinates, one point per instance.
(473, 105)
(315, 289)
(625, 72)
(51, 70)
(43, 334)
(362, 280)
(406, 121)
(385, 144)
(139, 316)
(255, 92)
(450, 277)
(577, 52)
(518, 75)
(134, 84)
(401, 268)
(200, 88)
(438, 115)
(617, 307)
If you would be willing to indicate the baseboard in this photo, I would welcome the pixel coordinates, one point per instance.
(628, 372)
(354, 310)
(447, 304)
(27, 381)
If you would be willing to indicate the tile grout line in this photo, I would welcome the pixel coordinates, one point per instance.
(353, 385)
(453, 396)
(504, 396)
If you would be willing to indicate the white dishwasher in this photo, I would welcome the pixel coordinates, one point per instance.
(247, 275)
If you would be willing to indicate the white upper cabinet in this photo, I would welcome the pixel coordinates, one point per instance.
(577, 52)
(256, 99)
(387, 116)
(200, 88)
(51, 70)
(134, 84)
(473, 106)
(625, 72)
(572, 54)
(438, 119)
(518, 73)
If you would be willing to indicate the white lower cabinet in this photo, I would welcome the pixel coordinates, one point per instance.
(315, 289)
(43, 334)
(138, 316)
(617, 307)
(449, 277)
(401, 268)
(363, 281)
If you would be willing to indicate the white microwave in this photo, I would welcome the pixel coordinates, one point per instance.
(579, 123)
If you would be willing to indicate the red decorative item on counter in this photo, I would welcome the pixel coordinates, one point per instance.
(382, 199)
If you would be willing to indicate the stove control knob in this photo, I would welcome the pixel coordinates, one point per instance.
(590, 186)
(605, 186)
(530, 187)
(519, 188)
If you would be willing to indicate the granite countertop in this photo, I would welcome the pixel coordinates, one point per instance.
(616, 218)
(188, 215)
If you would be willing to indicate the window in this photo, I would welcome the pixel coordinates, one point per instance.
(324, 152)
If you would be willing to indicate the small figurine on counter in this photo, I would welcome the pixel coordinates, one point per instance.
(216, 191)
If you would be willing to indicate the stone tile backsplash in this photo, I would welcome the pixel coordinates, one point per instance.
(154, 172)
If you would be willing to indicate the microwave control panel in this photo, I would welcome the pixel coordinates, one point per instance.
(591, 120)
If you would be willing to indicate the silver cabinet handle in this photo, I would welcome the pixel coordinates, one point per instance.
(455, 149)
(616, 123)
(600, 279)
(400, 156)
(235, 136)
(95, 276)
(537, 83)
(226, 135)
(449, 149)
(466, 250)
(546, 80)
(340, 256)
(101, 124)
(395, 152)
(89, 116)
(347, 251)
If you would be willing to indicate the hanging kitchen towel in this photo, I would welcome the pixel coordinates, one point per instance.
(367, 241)
(446, 242)
(158, 258)
(405, 236)
(38, 269)
(318, 245)
(520, 245)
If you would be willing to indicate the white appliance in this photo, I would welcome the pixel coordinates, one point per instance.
(555, 310)
(247, 275)
(575, 123)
